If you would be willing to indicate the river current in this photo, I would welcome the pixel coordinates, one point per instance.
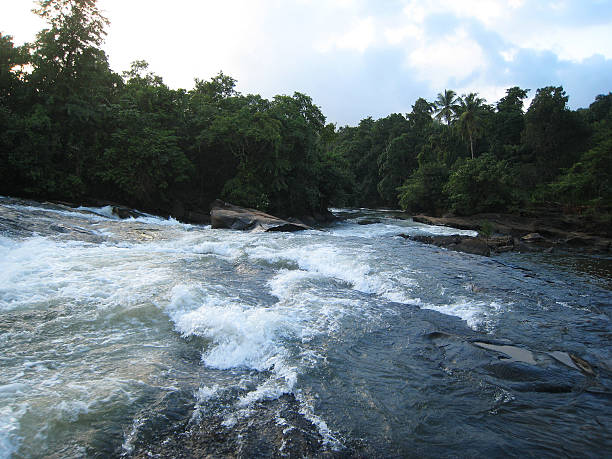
(148, 337)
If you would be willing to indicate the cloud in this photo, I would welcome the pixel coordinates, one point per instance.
(359, 37)
(453, 57)
(357, 57)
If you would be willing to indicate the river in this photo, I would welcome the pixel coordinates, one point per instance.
(148, 337)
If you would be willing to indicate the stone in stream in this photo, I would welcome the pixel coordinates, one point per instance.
(225, 215)
(582, 364)
(368, 221)
(125, 212)
(514, 353)
(466, 244)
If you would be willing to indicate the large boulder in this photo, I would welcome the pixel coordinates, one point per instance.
(225, 215)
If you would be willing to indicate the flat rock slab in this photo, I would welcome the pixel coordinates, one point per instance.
(517, 354)
(225, 215)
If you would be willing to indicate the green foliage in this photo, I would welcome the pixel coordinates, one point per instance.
(486, 229)
(368, 151)
(508, 124)
(447, 105)
(588, 181)
(422, 191)
(470, 113)
(395, 163)
(553, 133)
(72, 129)
(479, 185)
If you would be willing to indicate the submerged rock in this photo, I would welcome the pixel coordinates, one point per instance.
(368, 221)
(225, 215)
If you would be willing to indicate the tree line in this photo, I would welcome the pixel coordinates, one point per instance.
(459, 154)
(72, 129)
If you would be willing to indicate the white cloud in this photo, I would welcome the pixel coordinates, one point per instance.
(509, 54)
(365, 51)
(360, 36)
(516, 3)
(455, 56)
(485, 11)
(567, 42)
(396, 35)
(491, 93)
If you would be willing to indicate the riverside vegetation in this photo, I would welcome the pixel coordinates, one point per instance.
(152, 337)
(74, 130)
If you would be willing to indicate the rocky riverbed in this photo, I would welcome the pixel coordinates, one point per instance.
(528, 233)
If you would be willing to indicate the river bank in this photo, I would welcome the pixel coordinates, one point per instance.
(531, 232)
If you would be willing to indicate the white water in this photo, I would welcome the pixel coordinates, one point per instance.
(87, 325)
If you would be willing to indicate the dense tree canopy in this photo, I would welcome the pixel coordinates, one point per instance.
(73, 129)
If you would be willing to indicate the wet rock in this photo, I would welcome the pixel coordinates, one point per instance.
(324, 216)
(197, 217)
(532, 237)
(584, 366)
(534, 231)
(368, 221)
(564, 358)
(125, 212)
(475, 246)
(466, 244)
(514, 353)
(225, 215)
(438, 335)
(274, 428)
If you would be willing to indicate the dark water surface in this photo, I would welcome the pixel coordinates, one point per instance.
(147, 337)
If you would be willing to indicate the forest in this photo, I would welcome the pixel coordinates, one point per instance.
(72, 129)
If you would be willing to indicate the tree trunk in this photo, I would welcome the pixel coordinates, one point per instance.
(471, 146)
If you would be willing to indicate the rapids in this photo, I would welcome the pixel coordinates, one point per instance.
(145, 336)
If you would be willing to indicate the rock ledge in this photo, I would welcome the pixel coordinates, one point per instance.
(225, 215)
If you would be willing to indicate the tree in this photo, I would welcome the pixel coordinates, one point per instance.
(480, 185)
(70, 46)
(422, 191)
(399, 159)
(12, 104)
(554, 134)
(142, 159)
(447, 106)
(420, 116)
(601, 108)
(12, 61)
(470, 111)
(508, 123)
(73, 86)
(588, 181)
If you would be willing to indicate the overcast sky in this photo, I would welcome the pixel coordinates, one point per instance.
(359, 58)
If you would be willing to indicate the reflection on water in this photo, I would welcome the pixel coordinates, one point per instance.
(595, 268)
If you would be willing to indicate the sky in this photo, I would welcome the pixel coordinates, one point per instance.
(359, 58)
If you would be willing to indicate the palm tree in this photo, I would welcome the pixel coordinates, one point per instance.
(446, 103)
(470, 111)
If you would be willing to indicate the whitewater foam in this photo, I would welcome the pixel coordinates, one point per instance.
(9, 425)
(477, 314)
